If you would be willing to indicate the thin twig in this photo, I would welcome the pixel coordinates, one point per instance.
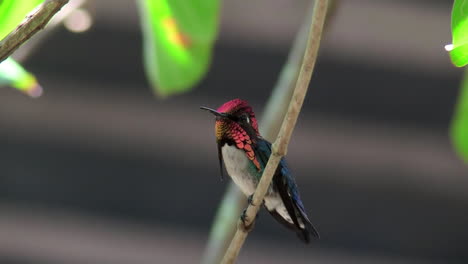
(224, 225)
(277, 105)
(279, 100)
(34, 21)
(279, 148)
(28, 48)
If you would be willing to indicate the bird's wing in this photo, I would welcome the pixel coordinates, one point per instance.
(287, 188)
(281, 183)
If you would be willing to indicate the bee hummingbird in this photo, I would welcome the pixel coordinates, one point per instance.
(245, 154)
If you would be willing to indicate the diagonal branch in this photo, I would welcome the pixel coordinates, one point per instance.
(234, 200)
(279, 148)
(224, 223)
(34, 21)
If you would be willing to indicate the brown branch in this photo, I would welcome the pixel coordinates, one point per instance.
(224, 225)
(278, 102)
(34, 21)
(279, 148)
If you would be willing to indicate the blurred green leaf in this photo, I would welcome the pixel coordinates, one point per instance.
(12, 12)
(458, 50)
(12, 74)
(178, 38)
(459, 129)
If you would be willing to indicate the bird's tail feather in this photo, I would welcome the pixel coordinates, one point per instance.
(309, 229)
(303, 233)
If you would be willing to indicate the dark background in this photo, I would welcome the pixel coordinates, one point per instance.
(99, 171)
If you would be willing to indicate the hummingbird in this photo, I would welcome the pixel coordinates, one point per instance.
(245, 154)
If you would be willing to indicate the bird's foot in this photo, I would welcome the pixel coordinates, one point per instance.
(250, 200)
(243, 222)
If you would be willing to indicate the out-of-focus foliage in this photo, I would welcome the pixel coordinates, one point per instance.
(458, 50)
(460, 121)
(12, 74)
(12, 12)
(178, 38)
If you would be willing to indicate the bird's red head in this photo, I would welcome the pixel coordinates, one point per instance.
(235, 121)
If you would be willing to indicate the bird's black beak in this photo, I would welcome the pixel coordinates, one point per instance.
(214, 112)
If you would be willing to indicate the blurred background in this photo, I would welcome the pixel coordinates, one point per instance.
(99, 171)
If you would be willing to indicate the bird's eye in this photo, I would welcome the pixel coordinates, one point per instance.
(246, 118)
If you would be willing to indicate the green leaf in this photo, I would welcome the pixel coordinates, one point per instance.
(178, 38)
(12, 12)
(458, 50)
(12, 74)
(459, 128)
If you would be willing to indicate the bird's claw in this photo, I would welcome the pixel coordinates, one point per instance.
(243, 216)
(243, 222)
(250, 200)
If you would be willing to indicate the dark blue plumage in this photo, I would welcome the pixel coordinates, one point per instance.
(284, 183)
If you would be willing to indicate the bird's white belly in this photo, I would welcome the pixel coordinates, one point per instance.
(237, 165)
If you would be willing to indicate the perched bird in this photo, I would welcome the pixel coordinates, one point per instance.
(245, 154)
